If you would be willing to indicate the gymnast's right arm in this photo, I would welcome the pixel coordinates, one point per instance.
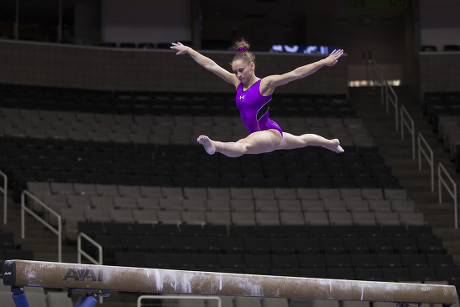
(206, 63)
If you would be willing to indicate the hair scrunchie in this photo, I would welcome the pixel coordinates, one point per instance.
(242, 49)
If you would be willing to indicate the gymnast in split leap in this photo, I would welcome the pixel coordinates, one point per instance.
(253, 95)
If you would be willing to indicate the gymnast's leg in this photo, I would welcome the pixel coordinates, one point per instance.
(255, 143)
(299, 141)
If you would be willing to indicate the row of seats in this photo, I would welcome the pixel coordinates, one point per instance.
(159, 130)
(443, 112)
(9, 249)
(49, 188)
(188, 104)
(240, 206)
(264, 252)
(283, 231)
(89, 162)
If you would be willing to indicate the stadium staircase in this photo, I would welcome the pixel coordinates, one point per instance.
(397, 154)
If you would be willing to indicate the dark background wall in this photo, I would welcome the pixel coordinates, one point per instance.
(146, 70)
(391, 33)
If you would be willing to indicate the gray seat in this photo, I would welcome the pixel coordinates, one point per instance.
(145, 216)
(312, 205)
(193, 217)
(340, 218)
(242, 205)
(245, 301)
(169, 216)
(218, 193)
(357, 205)
(329, 193)
(241, 193)
(289, 205)
(170, 203)
(121, 215)
(316, 218)
(266, 205)
(39, 189)
(218, 217)
(101, 201)
(351, 194)
(195, 193)
(307, 193)
(61, 188)
(379, 205)
(291, 218)
(147, 191)
(194, 204)
(172, 192)
(263, 193)
(335, 205)
(285, 193)
(267, 218)
(363, 218)
(58, 299)
(369, 193)
(129, 190)
(393, 194)
(403, 205)
(107, 189)
(275, 302)
(81, 201)
(388, 218)
(98, 214)
(218, 205)
(147, 203)
(124, 202)
(85, 188)
(243, 218)
(412, 218)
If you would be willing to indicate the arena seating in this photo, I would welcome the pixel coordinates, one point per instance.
(443, 112)
(125, 169)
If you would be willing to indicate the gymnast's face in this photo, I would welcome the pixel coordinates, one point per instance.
(243, 70)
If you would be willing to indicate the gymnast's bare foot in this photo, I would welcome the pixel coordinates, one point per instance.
(207, 143)
(335, 146)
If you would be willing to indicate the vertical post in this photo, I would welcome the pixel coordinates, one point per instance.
(59, 27)
(23, 218)
(196, 23)
(19, 297)
(5, 197)
(16, 22)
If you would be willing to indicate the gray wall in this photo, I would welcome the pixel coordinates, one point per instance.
(100, 68)
(439, 71)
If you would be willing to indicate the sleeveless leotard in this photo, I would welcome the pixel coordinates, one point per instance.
(254, 109)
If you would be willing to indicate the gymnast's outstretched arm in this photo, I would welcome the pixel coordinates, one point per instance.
(269, 83)
(206, 63)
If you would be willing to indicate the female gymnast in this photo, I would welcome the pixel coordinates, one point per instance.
(253, 95)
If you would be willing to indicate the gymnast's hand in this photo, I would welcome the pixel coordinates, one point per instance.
(181, 49)
(333, 58)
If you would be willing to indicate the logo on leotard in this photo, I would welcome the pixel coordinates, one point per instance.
(242, 97)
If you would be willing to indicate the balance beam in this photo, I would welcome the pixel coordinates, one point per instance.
(23, 273)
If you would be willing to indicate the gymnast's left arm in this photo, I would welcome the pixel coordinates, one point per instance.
(273, 81)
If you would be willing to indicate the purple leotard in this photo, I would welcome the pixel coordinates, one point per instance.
(254, 109)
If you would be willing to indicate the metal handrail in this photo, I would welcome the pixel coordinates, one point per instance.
(452, 192)
(4, 190)
(421, 140)
(379, 78)
(178, 297)
(81, 252)
(387, 93)
(24, 209)
(393, 98)
(407, 121)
